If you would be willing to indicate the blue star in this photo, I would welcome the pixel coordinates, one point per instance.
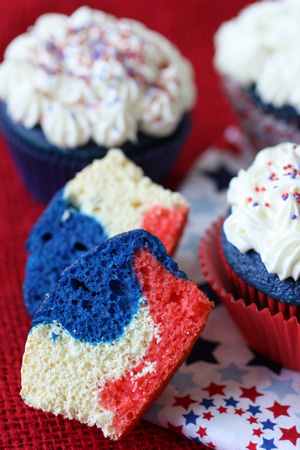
(183, 381)
(253, 410)
(207, 403)
(231, 402)
(203, 351)
(191, 417)
(232, 372)
(153, 411)
(281, 388)
(189, 241)
(268, 444)
(209, 292)
(196, 439)
(259, 360)
(268, 425)
(201, 205)
(221, 176)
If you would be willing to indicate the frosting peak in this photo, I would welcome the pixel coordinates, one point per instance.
(104, 77)
(261, 46)
(265, 202)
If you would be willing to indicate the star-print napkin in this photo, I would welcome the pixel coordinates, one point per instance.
(225, 395)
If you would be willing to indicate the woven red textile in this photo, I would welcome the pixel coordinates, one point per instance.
(190, 25)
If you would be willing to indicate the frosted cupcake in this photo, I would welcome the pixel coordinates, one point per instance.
(257, 56)
(72, 87)
(261, 235)
(260, 253)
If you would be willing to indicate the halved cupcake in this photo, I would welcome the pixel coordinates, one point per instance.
(109, 197)
(108, 339)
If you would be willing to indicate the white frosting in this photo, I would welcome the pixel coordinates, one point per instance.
(261, 46)
(92, 75)
(266, 209)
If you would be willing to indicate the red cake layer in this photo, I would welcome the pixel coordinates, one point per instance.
(181, 311)
(166, 224)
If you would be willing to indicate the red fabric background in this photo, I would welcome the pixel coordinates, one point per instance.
(190, 25)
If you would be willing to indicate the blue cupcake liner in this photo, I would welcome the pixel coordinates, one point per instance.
(45, 168)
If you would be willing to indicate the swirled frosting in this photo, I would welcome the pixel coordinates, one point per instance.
(265, 202)
(261, 46)
(93, 76)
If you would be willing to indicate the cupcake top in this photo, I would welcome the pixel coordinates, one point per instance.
(93, 76)
(261, 47)
(265, 209)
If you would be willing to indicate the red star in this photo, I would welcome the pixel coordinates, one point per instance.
(252, 446)
(222, 410)
(185, 402)
(240, 412)
(290, 434)
(252, 419)
(202, 432)
(210, 445)
(207, 415)
(279, 410)
(214, 389)
(250, 393)
(257, 432)
(177, 430)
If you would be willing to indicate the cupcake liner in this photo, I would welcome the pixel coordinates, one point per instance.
(262, 128)
(272, 333)
(45, 168)
(42, 175)
(157, 159)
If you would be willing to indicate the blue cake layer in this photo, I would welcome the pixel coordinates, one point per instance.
(99, 294)
(58, 238)
(287, 113)
(250, 268)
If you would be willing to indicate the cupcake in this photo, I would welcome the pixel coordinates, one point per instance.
(257, 273)
(108, 197)
(257, 58)
(73, 86)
